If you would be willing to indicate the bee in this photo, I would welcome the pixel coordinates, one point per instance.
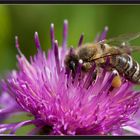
(111, 54)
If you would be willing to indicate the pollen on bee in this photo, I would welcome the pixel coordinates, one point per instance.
(116, 82)
(80, 61)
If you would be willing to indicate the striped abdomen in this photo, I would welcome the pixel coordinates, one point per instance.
(126, 66)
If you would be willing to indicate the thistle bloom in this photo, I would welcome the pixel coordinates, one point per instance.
(63, 105)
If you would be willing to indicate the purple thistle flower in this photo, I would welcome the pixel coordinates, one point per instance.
(9, 109)
(62, 105)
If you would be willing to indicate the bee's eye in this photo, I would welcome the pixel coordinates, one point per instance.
(72, 65)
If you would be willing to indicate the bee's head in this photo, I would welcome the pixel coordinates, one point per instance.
(71, 60)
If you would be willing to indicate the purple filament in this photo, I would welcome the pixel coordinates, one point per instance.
(52, 35)
(65, 34)
(56, 54)
(81, 40)
(37, 42)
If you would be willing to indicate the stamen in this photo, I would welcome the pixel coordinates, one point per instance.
(132, 129)
(103, 34)
(89, 76)
(17, 42)
(17, 45)
(97, 38)
(108, 82)
(20, 124)
(37, 42)
(56, 56)
(71, 52)
(79, 67)
(77, 74)
(123, 44)
(81, 40)
(65, 34)
(52, 35)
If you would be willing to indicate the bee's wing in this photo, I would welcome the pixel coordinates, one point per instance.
(124, 38)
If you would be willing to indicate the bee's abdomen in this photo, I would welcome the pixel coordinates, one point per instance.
(126, 66)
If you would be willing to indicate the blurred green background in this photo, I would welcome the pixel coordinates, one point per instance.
(24, 20)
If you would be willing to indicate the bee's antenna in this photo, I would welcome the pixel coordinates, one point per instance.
(105, 56)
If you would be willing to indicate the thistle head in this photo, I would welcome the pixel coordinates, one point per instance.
(65, 105)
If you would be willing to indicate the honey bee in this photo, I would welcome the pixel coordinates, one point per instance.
(111, 54)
